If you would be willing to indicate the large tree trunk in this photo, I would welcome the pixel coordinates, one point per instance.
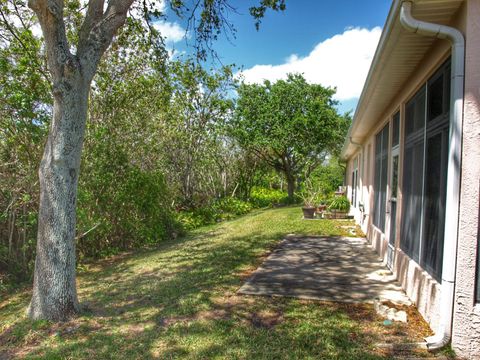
(54, 289)
(54, 286)
(291, 188)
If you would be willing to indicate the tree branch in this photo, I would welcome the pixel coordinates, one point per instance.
(92, 17)
(101, 34)
(13, 32)
(50, 16)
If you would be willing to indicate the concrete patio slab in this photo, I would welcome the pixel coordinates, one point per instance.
(325, 268)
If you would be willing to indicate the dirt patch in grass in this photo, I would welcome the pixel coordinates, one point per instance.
(266, 319)
(373, 330)
(417, 326)
(207, 315)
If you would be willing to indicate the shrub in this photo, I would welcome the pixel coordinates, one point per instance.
(265, 197)
(219, 210)
(340, 203)
(122, 208)
(328, 177)
(232, 206)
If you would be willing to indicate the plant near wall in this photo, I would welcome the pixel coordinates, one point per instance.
(310, 194)
(339, 203)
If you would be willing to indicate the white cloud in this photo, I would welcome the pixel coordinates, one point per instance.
(341, 61)
(171, 31)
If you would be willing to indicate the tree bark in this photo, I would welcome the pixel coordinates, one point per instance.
(54, 286)
(54, 281)
(291, 188)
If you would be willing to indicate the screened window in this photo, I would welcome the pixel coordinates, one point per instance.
(396, 130)
(435, 98)
(439, 94)
(354, 195)
(435, 199)
(424, 173)
(411, 226)
(380, 181)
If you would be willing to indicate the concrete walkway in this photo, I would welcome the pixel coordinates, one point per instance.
(325, 268)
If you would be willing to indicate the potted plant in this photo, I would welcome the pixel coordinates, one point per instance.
(310, 197)
(323, 205)
(339, 207)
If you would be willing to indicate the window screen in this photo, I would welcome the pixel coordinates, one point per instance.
(424, 173)
(384, 175)
(435, 98)
(380, 181)
(435, 198)
(415, 113)
(352, 198)
(411, 227)
(412, 198)
(439, 94)
(396, 130)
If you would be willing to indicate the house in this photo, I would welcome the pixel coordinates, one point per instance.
(413, 162)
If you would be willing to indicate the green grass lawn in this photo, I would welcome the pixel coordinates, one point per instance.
(179, 301)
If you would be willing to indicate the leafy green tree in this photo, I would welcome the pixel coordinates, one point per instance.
(328, 177)
(153, 142)
(75, 38)
(192, 143)
(124, 201)
(25, 109)
(291, 125)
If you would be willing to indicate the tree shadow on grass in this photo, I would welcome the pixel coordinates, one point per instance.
(179, 302)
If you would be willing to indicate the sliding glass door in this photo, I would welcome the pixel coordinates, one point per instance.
(395, 152)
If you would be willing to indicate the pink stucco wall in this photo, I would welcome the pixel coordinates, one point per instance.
(419, 285)
(466, 321)
(422, 289)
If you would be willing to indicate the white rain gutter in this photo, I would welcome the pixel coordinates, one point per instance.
(443, 336)
(355, 143)
(392, 16)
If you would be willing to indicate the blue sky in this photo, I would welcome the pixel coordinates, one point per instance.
(331, 42)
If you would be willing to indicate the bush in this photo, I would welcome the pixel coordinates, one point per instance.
(218, 210)
(122, 207)
(265, 197)
(232, 206)
(328, 177)
(339, 203)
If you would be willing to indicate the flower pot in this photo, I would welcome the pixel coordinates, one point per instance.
(322, 208)
(339, 214)
(308, 212)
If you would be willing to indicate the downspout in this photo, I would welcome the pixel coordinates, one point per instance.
(354, 143)
(443, 336)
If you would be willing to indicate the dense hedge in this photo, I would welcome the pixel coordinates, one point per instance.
(219, 210)
(117, 213)
(264, 197)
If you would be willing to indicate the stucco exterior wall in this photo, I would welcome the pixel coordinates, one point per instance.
(466, 321)
(418, 284)
(422, 289)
